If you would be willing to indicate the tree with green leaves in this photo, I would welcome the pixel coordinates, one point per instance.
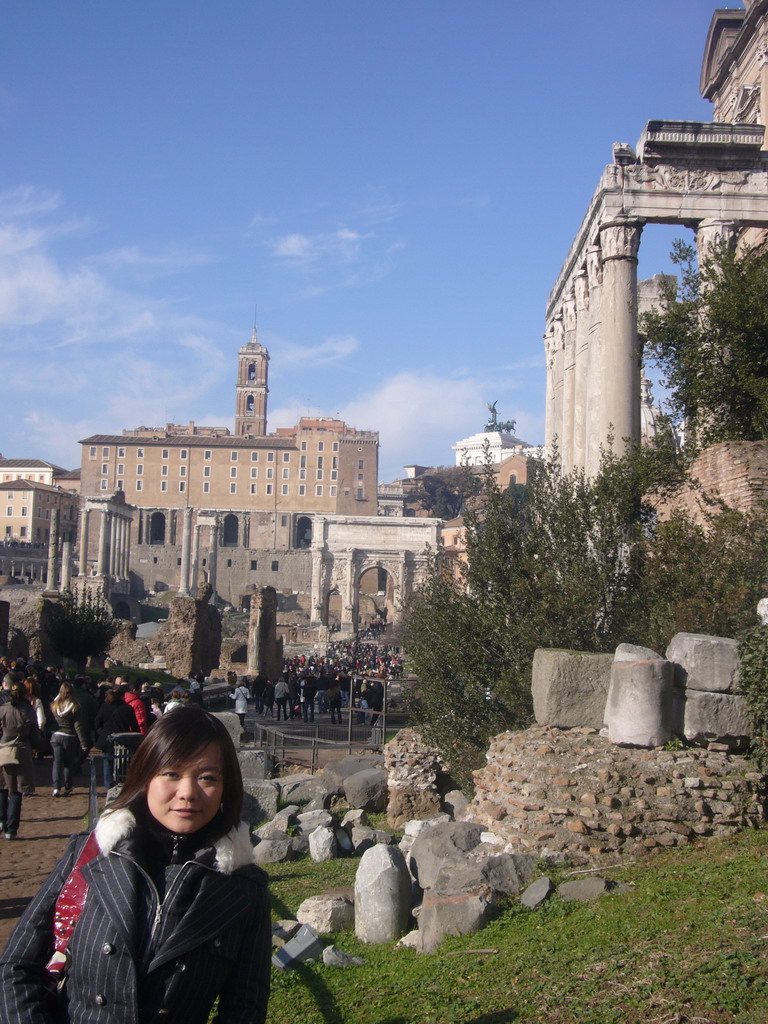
(81, 626)
(569, 563)
(710, 340)
(445, 490)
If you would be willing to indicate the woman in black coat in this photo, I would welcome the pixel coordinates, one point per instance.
(113, 716)
(176, 913)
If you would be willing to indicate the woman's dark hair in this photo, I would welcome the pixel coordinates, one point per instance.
(114, 696)
(175, 739)
(17, 694)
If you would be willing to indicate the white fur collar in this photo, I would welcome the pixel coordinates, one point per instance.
(233, 851)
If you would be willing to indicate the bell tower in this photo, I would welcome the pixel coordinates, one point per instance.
(251, 390)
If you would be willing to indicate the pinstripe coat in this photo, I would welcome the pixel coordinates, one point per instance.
(211, 936)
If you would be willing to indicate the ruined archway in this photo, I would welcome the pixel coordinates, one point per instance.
(375, 597)
(157, 528)
(303, 532)
(121, 610)
(333, 610)
(230, 531)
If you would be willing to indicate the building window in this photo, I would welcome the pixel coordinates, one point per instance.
(121, 453)
(269, 488)
(229, 563)
(139, 485)
(335, 462)
(319, 461)
(9, 510)
(359, 493)
(319, 490)
(286, 456)
(92, 451)
(206, 470)
(360, 463)
(182, 486)
(303, 461)
(23, 531)
(233, 456)
(334, 475)
(103, 485)
(335, 446)
(254, 472)
(283, 520)
(359, 478)
(303, 446)
(254, 456)
(286, 474)
(120, 469)
(319, 475)
(233, 472)
(302, 490)
(275, 566)
(139, 471)
(182, 470)
(233, 488)
(165, 453)
(207, 455)
(302, 474)
(24, 510)
(254, 565)
(270, 473)
(163, 485)
(253, 488)
(164, 471)
(139, 453)
(206, 487)
(333, 492)
(284, 489)
(105, 453)
(270, 456)
(183, 453)
(320, 446)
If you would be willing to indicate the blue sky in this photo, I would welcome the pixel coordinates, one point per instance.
(389, 187)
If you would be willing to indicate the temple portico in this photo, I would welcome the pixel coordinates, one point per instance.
(709, 177)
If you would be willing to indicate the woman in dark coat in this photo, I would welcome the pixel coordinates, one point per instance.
(176, 913)
(18, 727)
(113, 716)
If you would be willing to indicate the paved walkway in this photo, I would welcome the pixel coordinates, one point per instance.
(46, 825)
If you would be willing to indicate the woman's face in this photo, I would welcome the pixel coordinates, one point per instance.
(186, 797)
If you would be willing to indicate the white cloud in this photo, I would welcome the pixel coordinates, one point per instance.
(25, 200)
(331, 350)
(344, 245)
(168, 261)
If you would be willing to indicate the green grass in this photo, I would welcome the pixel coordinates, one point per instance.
(689, 943)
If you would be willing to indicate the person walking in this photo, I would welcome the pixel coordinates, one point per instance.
(20, 734)
(281, 698)
(67, 740)
(240, 694)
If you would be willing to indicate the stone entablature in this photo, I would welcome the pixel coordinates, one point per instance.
(574, 791)
(713, 177)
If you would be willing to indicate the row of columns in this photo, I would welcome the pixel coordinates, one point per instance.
(114, 547)
(593, 351)
(189, 569)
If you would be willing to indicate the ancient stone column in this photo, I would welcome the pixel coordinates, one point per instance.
(569, 380)
(349, 602)
(213, 558)
(66, 565)
(710, 234)
(113, 545)
(186, 545)
(102, 566)
(316, 596)
(581, 356)
(195, 567)
(84, 515)
(620, 399)
(594, 360)
(549, 403)
(558, 336)
(53, 550)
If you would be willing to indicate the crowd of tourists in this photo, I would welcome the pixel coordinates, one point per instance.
(49, 712)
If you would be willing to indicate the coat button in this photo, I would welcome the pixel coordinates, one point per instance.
(107, 948)
(180, 966)
(101, 1000)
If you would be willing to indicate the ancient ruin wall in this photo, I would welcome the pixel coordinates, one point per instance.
(736, 471)
(573, 791)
